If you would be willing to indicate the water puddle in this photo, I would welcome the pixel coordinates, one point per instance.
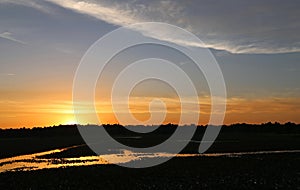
(36, 162)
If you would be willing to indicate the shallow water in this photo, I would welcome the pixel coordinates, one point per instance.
(35, 162)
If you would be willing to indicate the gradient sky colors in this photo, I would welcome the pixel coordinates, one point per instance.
(256, 43)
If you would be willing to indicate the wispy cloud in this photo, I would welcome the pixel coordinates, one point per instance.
(256, 27)
(111, 14)
(234, 26)
(9, 36)
(36, 4)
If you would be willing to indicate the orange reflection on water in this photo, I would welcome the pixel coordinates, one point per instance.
(37, 162)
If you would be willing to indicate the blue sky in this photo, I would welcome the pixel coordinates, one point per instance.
(256, 43)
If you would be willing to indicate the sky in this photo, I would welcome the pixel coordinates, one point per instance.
(256, 44)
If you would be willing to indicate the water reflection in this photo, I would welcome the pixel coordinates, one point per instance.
(36, 161)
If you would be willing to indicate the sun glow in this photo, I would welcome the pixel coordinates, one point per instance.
(70, 121)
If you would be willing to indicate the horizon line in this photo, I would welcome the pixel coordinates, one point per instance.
(153, 125)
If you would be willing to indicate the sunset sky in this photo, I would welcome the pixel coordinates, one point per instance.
(256, 43)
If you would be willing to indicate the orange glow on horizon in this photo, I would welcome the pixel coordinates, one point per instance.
(28, 114)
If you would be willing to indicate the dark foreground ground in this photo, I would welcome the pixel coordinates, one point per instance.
(234, 138)
(264, 171)
(280, 171)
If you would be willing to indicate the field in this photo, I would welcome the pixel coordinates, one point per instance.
(253, 171)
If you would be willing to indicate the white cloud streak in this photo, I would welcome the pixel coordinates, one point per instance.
(110, 14)
(9, 36)
(256, 26)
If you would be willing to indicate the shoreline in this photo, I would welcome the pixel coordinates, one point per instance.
(249, 172)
